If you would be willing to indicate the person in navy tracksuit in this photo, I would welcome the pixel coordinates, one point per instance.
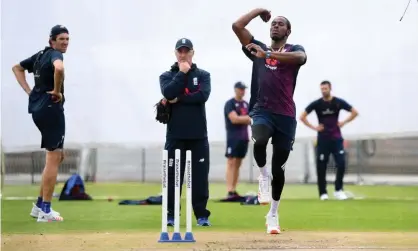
(187, 88)
(330, 140)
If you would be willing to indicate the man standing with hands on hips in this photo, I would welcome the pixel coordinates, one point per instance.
(46, 104)
(329, 140)
(186, 89)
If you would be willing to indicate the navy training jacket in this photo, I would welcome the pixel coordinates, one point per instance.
(188, 114)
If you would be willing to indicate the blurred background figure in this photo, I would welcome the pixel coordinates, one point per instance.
(236, 124)
(330, 140)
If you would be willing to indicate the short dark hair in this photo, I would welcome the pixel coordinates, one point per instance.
(289, 26)
(326, 82)
(52, 38)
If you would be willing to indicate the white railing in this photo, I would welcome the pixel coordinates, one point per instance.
(379, 160)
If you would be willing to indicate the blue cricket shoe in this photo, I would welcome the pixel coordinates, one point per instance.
(204, 222)
(170, 221)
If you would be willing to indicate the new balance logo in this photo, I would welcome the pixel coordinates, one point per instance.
(284, 166)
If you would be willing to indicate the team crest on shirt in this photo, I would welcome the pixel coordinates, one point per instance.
(328, 112)
(243, 111)
(271, 63)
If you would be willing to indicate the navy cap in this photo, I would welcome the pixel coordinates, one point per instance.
(240, 85)
(58, 29)
(184, 42)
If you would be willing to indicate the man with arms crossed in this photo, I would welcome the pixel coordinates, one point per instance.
(236, 123)
(46, 104)
(272, 109)
(186, 89)
(330, 140)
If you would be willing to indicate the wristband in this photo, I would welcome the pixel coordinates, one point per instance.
(268, 54)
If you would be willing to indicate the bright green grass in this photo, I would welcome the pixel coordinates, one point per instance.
(384, 208)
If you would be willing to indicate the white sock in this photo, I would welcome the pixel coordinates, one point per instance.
(264, 171)
(274, 206)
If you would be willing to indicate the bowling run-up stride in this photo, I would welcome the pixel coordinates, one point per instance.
(272, 109)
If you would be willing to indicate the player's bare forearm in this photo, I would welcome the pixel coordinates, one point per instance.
(242, 120)
(239, 119)
(306, 122)
(239, 26)
(19, 72)
(244, 20)
(352, 116)
(297, 57)
(58, 79)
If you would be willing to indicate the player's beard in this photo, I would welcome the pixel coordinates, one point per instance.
(278, 38)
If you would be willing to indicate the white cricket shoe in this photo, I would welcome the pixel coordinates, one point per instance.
(272, 223)
(340, 195)
(264, 195)
(324, 197)
(51, 217)
(36, 210)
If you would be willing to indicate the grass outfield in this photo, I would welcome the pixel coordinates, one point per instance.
(381, 209)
